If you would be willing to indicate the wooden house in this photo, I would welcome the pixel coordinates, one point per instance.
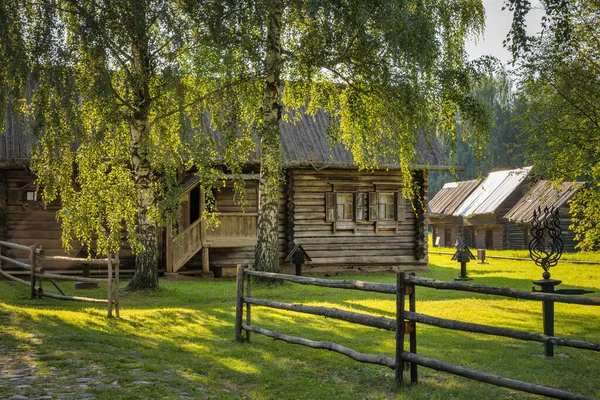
(341, 216)
(543, 194)
(483, 211)
(446, 226)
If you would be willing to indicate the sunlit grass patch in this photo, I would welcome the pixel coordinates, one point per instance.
(180, 340)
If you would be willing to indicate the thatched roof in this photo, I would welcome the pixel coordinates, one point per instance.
(542, 194)
(304, 143)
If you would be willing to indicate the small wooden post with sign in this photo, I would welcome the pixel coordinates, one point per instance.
(298, 257)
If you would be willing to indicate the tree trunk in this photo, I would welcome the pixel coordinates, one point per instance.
(267, 254)
(146, 259)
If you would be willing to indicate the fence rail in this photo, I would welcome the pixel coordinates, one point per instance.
(405, 324)
(38, 274)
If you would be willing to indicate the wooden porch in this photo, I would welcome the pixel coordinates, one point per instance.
(237, 225)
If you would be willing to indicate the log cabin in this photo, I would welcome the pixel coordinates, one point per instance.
(343, 217)
(543, 194)
(483, 211)
(445, 226)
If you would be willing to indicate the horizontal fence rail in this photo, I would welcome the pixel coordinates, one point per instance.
(405, 324)
(38, 274)
(501, 291)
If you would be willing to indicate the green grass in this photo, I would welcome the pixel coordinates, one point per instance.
(180, 340)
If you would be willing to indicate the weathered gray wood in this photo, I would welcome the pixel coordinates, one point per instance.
(492, 379)
(48, 275)
(496, 331)
(361, 357)
(20, 263)
(239, 302)
(116, 299)
(400, 293)
(57, 287)
(20, 247)
(14, 278)
(99, 261)
(248, 306)
(500, 291)
(40, 292)
(339, 284)
(412, 304)
(110, 290)
(32, 262)
(349, 316)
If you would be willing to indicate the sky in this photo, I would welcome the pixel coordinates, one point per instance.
(497, 25)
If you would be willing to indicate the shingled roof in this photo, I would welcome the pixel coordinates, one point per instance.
(542, 194)
(304, 143)
(451, 196)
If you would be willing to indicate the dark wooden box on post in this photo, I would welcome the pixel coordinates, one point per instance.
(298, 257)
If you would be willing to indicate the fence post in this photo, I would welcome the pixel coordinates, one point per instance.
(239, 302)
(117, 266)
(248, 307)
(412, 301)
(400, 293)
(32, 263)
(110, 289)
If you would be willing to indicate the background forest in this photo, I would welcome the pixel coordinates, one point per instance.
(507, 142)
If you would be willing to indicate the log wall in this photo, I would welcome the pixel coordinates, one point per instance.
(29, 222)
(365, 243)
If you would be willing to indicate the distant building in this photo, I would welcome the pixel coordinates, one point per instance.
(484, 209)
(444, 224)
(544, 194)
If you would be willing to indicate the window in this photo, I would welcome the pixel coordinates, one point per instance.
(30, 195)
(345, 207)
(386, 207)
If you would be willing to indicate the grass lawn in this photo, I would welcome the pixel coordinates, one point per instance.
(178, 342)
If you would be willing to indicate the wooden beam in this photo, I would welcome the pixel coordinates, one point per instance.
(361, 357)
(205, 261)
(348, 316)
(331, 283)
(501, 291)
(492, 379)
(496, 331)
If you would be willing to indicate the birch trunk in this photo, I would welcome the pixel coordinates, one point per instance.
(267, 257)
(146, 260)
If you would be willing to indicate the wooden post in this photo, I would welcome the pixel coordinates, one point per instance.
(110, 288)
(400, 293)
(412, 301)
(32, 262)
(117, 266)
(248, 306)
(0, 258)
(205, 261)
(169, 246)
(239, 302)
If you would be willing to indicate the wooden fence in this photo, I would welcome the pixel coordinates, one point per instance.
(38, 274)
(405, 324)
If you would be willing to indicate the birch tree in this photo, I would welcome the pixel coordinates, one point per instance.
(118, 97)
(381, 70)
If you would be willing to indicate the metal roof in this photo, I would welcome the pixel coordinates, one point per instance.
(543, 194)
(492, 192)
(451, 196)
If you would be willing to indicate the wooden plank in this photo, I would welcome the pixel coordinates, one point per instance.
(239, 302)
